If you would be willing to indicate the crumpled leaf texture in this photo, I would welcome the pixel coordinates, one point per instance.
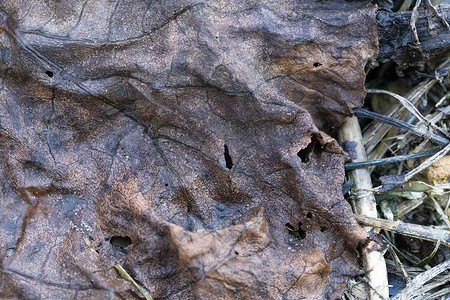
(177, 124)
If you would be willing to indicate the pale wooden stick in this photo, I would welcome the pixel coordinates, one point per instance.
(372, 257)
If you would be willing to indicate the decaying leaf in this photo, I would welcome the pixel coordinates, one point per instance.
(191, 129)
(390, 182)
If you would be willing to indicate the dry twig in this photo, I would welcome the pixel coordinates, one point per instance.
(428, 233)
(427, 163)
(389, 160)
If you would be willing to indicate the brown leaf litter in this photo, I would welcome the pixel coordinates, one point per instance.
(190, 129)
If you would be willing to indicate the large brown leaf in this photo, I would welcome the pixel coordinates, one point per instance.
(188, 129)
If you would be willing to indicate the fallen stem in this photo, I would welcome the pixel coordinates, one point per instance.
(428, 233)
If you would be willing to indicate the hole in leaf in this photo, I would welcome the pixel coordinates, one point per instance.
(317, 64)
(49, 73)
(301, 232)
(228, 160)
(303, 154)
(323, 228)
(166, 184)
(309, 215)
(313, 146)
(120, 241)
(10, 252)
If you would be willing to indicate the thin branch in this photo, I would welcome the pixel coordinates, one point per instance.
(427, 163)
(428, 233)
(412, 24)
(389, 160)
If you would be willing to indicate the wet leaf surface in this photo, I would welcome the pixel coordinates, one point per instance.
(177, 139)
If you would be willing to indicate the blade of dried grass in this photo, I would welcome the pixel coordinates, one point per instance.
(412, 271)
(441, 293)
(127, 276)
(422, 132)
(407, 104)
(445, 97)
(407, 206)
(398, 263)
(413, 288)
(439, 281)
(444, 217)
(436, 117)
(424, 292)
(375, 133)
(404, 254)
(428, 233)
(427, 259)
(440, 114)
